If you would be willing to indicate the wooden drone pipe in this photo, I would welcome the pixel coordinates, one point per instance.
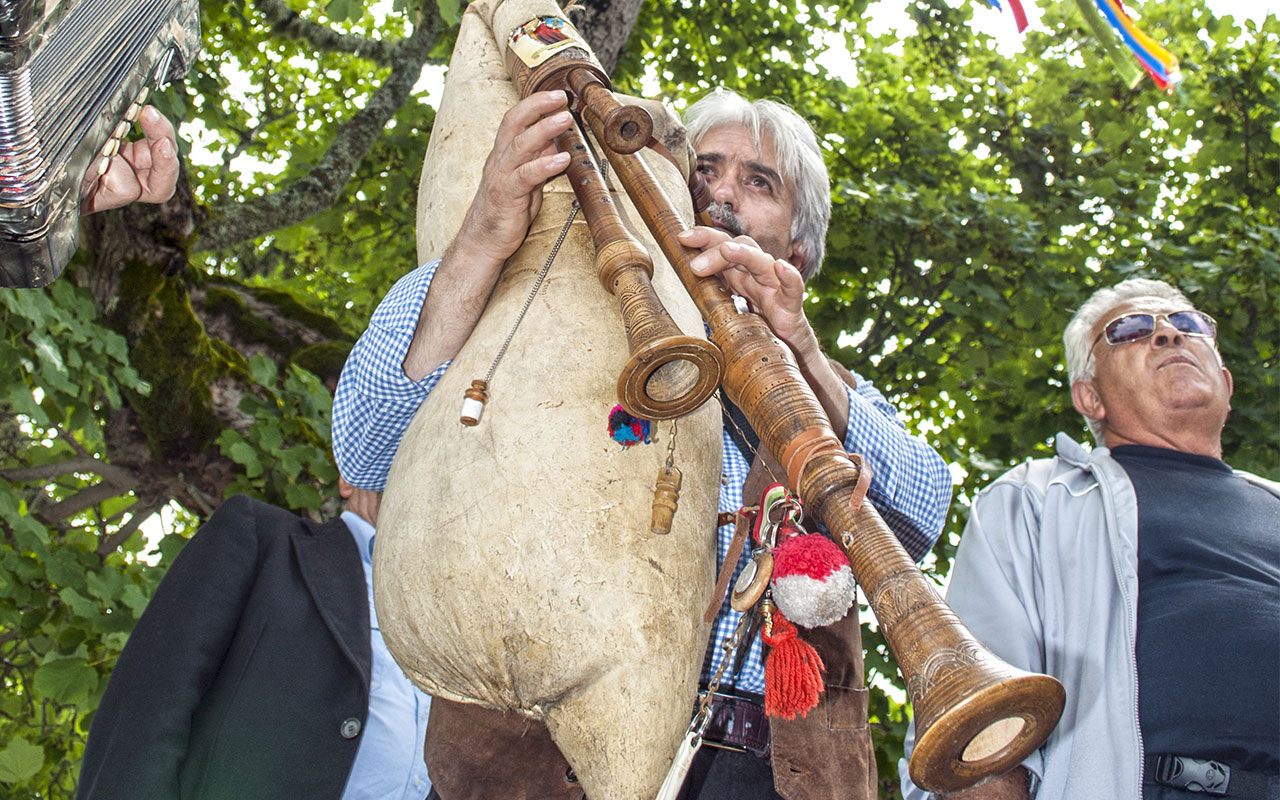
(669, 374)
(626, 128)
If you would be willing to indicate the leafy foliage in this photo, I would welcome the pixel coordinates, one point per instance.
(76, 571)
(64, 607)
(978, 200)
(286, 452)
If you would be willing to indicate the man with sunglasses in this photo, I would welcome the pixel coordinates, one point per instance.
(1144, 574)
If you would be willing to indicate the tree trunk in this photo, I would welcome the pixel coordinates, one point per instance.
(607, 25)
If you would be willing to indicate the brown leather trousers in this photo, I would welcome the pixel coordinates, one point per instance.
(476, 753)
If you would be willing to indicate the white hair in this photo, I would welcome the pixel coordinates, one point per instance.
(796, 152)
(1079, 338)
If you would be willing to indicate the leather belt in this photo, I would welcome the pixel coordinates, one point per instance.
(1205, 776)
(737, 724)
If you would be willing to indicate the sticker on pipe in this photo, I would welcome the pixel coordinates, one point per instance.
(542, 37)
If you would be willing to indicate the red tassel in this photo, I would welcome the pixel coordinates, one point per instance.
(792, 672)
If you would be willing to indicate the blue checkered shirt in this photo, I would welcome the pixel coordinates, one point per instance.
(375, 402)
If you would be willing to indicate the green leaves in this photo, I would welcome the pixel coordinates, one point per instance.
(66, 679)
(79, 605)
(344, 10)
(54, 341)
(241, 452)
(449, 11)
(20, 760)
(263, 370)
(285, 453)
(63, 607)
(63, 613)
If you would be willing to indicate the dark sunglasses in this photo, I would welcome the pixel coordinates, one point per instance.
(1136, 327)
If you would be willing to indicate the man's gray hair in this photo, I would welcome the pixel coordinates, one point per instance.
(796, 151)
(1078, 337)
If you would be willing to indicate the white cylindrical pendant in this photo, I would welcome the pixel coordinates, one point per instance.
(471, 411)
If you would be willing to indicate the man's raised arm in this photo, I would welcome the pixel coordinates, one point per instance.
(427, 316)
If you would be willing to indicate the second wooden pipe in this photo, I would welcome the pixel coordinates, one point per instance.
(669, 374)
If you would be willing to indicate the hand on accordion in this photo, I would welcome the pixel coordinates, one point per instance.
(144, 171)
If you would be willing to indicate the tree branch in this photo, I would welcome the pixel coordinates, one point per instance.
(81, 500)
(71, 440)
(932, 326)
(242, 221)
(607, 26)
(53, 469)
(109, 544)
(247, 141)
(43, 472)
(287, 22)
(199, 498)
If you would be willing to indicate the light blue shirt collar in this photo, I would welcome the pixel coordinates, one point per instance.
(362, 532)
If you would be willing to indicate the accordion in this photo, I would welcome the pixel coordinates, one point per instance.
(74, 75)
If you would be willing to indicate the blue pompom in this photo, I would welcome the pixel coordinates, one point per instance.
(627, 430)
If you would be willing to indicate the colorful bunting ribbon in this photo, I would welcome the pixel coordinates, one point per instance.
(1129, 71)
(1158, 62)
(1019, 16)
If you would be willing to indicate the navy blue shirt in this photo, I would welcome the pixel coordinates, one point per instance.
(1208, 643)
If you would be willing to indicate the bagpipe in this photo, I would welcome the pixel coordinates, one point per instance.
(74, 75)
(975, 715)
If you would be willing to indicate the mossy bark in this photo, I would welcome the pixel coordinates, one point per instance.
(190, 337)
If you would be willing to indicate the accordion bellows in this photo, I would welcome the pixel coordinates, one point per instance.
(73, 77)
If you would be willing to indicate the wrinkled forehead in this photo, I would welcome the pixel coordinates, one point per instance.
(739, 140)
(1140, 305)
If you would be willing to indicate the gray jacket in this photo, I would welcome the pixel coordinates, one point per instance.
(1046, 575)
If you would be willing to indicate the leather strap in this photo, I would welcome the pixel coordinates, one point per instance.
(811, 444)
(864, 480)
(799, 452)
(737, 724)
(803, 449)
(741, 530)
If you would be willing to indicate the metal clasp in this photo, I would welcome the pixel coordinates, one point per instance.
(1192, 774)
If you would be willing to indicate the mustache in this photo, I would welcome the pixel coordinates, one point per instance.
(723, 215)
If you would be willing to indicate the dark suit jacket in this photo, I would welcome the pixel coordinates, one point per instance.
(248, 674)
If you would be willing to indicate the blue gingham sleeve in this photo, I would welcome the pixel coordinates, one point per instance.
(375, 401)
(910, 483)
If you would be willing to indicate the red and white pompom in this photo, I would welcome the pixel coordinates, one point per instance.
(813, 583)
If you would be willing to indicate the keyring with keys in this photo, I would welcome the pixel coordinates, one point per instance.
(777, 508)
